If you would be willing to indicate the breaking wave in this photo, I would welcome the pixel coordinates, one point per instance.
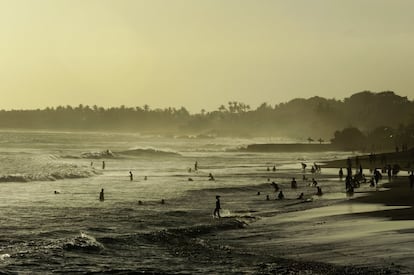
(51, 173)
(174, 235)
(84, 242)
(148, 152)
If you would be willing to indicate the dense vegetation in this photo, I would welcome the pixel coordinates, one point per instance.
(315, 117)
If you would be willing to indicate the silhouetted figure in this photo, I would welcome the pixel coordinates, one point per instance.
(372, 182)
(300, 196)
(267, 197)
(389, 172)
(274, 169)
(91, 163)
(348, 162)
(103, 164)
(411, 179)
(210, 177)
(349, 171)
(303, 166)
(196, 166)
(275, 186)
(281, 196)
(131, 176)
(101, 195)
(140, 202)
(57, 192)
(293, 184)
(268, 169)
(258, 193)
(319, 192)
(304, 178)
(190, 179)
(313, 170)
(162, 201)
(145, 178)
(218, 207)
(377, 176)
(395, 169)
(350, 190)
(189, 170)
(317, 167)
(341, 174)
(314, 182)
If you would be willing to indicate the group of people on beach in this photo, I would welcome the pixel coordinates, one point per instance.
(351, 181)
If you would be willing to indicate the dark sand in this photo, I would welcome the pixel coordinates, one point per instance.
(359, 235)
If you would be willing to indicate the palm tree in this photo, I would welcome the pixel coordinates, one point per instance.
(320, 140)
(310, 139)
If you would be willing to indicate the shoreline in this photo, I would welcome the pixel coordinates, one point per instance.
(266, 235)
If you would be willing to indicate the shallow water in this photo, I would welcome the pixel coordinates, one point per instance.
(72, 231)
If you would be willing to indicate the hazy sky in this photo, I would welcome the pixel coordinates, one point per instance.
(201, 53)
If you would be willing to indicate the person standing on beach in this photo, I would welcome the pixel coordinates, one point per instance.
(103, 164)
(101, 195)
(293, 184)
(411, 178)
(218, 207)
(131, 176)
(196, 166)
(341, 174)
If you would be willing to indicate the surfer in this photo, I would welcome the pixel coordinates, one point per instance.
(210, 177)
(218, 207)
(101, 195)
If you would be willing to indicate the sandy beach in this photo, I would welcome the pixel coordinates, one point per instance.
(369, 233)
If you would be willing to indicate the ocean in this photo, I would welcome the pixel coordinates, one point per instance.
(51, 219)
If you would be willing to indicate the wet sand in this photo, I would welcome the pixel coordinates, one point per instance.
(370, 233)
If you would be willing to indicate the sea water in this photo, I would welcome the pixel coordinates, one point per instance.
(51, 219)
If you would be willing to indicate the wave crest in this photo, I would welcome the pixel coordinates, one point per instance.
(83, 242)
(148, 152)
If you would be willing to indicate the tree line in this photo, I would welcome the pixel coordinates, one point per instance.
(299, 118)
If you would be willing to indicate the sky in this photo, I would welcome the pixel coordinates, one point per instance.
(201, 53)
